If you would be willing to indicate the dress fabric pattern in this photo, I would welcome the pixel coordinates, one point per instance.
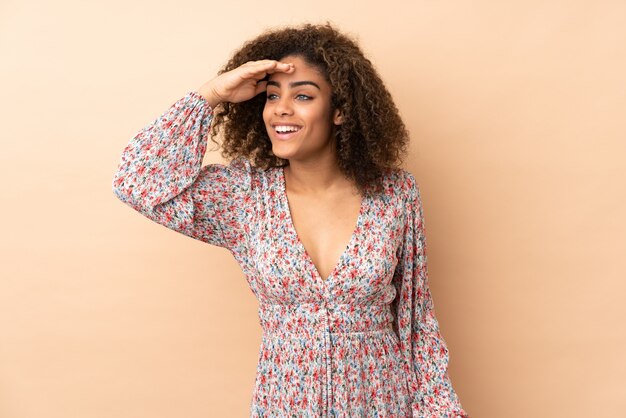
(364, 342)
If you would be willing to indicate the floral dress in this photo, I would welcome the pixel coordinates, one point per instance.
(363, 342)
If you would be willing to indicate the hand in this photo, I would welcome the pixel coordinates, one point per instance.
(242, 83)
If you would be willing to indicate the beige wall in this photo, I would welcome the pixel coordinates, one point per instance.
(516, 111)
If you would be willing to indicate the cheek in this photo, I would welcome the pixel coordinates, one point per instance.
(319, 120)
(312, 114)
(266, 116)
(265, 113)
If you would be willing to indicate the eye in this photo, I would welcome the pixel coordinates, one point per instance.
(272, 96)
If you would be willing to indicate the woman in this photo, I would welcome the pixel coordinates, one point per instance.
(327, 228)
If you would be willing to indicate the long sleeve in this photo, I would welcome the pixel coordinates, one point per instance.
(423, 347)
(160, 175)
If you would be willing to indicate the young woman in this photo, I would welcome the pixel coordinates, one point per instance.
(327, 228)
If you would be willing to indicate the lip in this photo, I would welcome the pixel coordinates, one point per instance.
(283, 124)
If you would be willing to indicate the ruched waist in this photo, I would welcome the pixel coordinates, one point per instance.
(311, 318)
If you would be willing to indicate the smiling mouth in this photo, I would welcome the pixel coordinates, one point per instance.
(286, 132)
(281, 129)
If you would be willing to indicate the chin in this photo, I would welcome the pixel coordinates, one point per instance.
(280, 152)
(284, 156)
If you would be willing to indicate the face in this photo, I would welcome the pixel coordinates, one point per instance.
(297, 112)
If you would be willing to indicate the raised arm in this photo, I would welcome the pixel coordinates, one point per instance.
(160, 173)
(161, 176)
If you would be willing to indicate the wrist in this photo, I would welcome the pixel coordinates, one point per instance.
(209, 95)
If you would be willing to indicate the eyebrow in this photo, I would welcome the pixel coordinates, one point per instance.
(293, 83)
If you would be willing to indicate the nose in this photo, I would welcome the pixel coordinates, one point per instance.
(283, 106)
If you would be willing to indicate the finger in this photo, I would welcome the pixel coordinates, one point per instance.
(260, 64)
(282, 67)
(272, 65)
(260, 87)
(260, 73)
(258, 69)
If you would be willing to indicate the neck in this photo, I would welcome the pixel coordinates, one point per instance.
(316, 177)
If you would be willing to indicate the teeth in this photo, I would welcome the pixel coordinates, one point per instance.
(286, 128)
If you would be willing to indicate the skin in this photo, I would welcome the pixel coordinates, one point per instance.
(324, 205)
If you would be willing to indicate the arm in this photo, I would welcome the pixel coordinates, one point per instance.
(160, 175)
(422, 345)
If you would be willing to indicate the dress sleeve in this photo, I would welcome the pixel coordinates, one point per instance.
(423, 347)
(161, 176)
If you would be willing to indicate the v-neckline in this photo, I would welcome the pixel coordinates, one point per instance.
(294, 232)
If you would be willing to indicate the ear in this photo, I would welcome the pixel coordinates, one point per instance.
(337, 117)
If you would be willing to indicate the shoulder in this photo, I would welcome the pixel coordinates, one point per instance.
(240, 164)
(243, 166)
(405, 187)
(236, 173)
(402, 181)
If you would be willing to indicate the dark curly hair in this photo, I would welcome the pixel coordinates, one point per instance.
(372, 138)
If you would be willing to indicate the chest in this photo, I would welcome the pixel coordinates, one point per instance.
(299, 250)
(325, 227)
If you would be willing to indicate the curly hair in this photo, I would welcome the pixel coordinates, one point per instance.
(372, 139)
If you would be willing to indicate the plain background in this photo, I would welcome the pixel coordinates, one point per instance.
(516, 112)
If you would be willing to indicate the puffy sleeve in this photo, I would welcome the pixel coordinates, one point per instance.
(423, 347)
(161, 176)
